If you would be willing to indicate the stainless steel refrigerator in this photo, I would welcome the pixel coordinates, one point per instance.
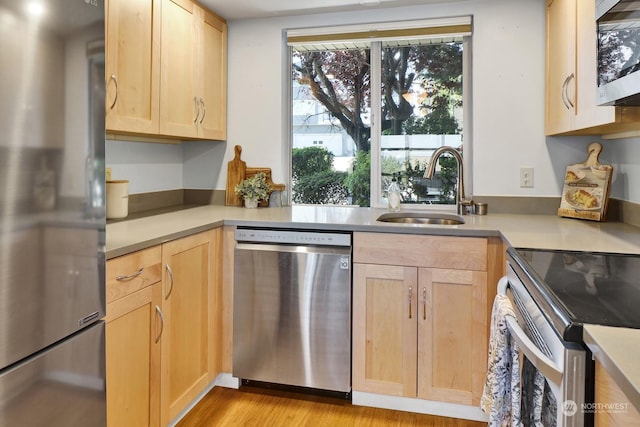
(52, 213)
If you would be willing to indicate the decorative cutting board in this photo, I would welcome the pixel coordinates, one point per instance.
(585, 193)
(236, 170)
(272, 186)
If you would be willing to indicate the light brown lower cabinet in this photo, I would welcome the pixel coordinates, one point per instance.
(162, 343)
(134, 328)
(613, 407)
(188, 357)
(133, 333)
(420, 316)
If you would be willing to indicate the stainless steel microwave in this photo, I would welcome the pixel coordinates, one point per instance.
(618, 26)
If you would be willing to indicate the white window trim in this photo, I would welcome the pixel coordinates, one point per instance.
(376, 191)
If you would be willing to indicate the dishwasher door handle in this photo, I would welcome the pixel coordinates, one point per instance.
(330, 250)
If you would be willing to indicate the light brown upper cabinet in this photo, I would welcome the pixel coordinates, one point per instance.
(132, 66)
(571, 76)
(166, 69)
(193, 72)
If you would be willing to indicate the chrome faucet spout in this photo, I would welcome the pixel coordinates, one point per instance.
(428, 174)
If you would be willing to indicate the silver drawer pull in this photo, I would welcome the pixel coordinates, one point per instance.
(161, 317)
(170, 282)
(130, 276)
(424, 303)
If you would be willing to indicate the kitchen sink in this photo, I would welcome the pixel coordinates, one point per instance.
(437, 218)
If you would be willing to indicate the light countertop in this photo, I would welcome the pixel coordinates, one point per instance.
(523, 231)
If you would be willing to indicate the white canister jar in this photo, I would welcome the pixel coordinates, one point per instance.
(117, 199)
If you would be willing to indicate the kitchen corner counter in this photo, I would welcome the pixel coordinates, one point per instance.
(617, 349)
(525, 231)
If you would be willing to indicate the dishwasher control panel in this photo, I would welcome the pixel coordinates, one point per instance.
(296, 237)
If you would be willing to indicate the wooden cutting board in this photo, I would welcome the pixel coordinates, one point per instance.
(585, 193)
(250, 171)
(236, 171)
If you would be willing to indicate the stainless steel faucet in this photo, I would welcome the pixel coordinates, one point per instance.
(461, 201)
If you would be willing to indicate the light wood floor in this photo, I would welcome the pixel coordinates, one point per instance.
(254, 407)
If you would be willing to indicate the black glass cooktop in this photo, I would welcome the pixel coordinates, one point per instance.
(596, 288)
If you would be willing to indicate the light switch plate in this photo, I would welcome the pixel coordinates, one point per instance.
(526, 177)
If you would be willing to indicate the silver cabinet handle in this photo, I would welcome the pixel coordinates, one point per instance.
(171, 282)
(424, 303)
(197, 105)
(130, 276)
(410, 298)
(161, 317)
(115, 81)
(204, 110)
(569, 79)
(565, 95)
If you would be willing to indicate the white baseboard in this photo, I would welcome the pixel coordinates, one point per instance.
(222, 380)
(420, 406)
(227, 380)
(190, 406)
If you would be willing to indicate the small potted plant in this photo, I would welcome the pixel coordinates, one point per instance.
(253, 189)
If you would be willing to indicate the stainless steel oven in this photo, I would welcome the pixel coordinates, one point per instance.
(555, 293)
(292, 308)
(618, 27)
(562, 363)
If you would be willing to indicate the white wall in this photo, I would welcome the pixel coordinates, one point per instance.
(508, 102)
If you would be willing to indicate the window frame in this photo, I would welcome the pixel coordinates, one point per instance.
(352, 33)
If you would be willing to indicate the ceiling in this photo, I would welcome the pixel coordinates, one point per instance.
(248, 9)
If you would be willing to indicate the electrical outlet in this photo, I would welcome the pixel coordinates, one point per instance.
(526, 177)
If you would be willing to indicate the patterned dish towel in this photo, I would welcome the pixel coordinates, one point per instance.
(501, 395)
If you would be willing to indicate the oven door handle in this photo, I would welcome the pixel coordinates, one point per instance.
(545, 365)
(540, 360)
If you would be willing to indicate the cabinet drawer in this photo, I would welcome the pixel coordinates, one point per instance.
(128, 273)
(468, 253)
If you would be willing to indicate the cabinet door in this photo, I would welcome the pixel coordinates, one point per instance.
(179, 99)
(188, 335)
(452, 335)
(384, 329)
(213, 78)
(607, 391)
(134, 328)
(561, 73)
(132, 65)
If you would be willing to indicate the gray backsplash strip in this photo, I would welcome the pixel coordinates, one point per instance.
(156, 200)
(617, 211)
(204, 197)
(520, 205)
(161, 201)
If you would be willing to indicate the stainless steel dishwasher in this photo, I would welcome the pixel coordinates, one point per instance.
(292, 308)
